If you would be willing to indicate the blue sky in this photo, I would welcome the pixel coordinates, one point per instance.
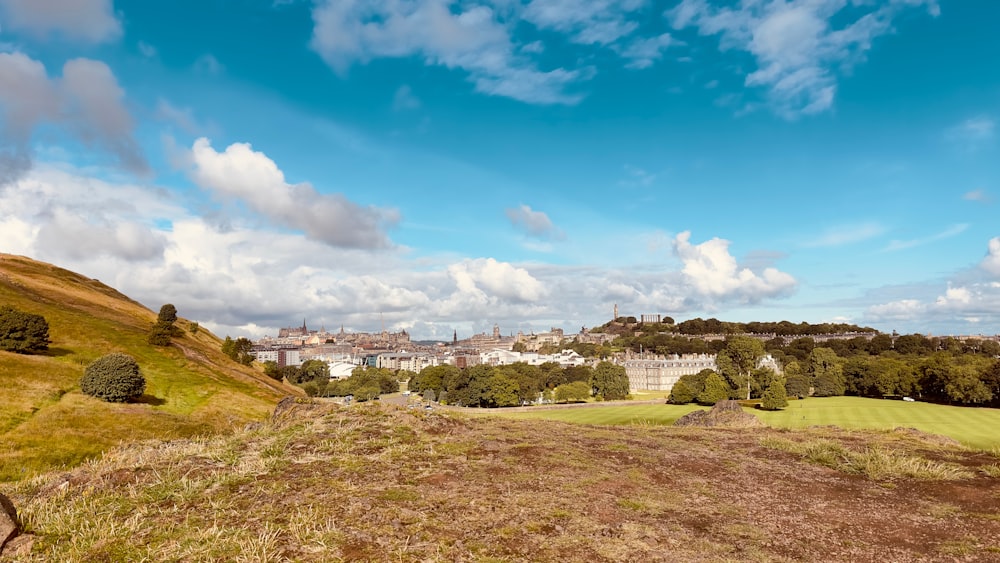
(440, 166)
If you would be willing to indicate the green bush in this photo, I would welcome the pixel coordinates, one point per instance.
(22, 332)
(114, 378)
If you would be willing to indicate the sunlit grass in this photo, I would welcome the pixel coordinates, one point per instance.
(974, 427)
(45, 422)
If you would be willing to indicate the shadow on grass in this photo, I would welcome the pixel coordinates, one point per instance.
(150, 400)
(56, 352)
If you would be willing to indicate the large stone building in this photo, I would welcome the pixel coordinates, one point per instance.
(660, 374)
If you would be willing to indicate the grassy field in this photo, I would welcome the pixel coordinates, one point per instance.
(973, 427)
(377, 482)
(45, 422)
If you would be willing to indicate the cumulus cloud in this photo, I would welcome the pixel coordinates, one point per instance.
(797, 48)
(713, 272)
(972, 296)
(534, 223)
(91, 21)
(504, 280)
(69, 235)
(251, 177)
(236, 280)
(86, 103)
(466, 37)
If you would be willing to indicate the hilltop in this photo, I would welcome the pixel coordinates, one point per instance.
(45, 422)
(374, 482)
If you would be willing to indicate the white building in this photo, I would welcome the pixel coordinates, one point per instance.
(661, 374)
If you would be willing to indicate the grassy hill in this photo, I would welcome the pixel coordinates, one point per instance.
(45, 422)
(377, 482)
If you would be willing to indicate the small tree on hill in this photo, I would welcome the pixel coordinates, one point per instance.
(22, 332)
(114, 378)
(164, 327)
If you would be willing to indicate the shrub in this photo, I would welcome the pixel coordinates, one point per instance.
(114, 378)
(22, 332)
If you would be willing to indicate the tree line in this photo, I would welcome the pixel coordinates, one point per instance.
(520, 383)
(943, 370)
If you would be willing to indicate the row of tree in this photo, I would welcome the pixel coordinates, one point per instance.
(520, 384)
(961, 375)
(699, 326)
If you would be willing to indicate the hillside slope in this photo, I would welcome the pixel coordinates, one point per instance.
(192, 388)
(376, 482)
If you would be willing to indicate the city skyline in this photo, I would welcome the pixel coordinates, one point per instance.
(436, 165)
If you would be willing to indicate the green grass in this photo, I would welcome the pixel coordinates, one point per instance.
(974, 427)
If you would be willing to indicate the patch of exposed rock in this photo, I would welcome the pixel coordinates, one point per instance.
(728, 414)
(11, 544)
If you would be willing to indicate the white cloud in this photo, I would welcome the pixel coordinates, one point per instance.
(476, 277)
(797, 49)
(244, 279)
(253, 178)
(208, 64)
(470, 38)
(991, 263)
(86, 102)
(947, 233)
(534, 223)
(91, 21)
(637, 177)
(972, 132)
(587, 21)
(404, 99)
(968, 297)
(977, 195)
(146, 49)
(846, 234)
(714, 273)
(643, 53)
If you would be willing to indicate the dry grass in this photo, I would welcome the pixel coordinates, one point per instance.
(875, 461)
(326, 483)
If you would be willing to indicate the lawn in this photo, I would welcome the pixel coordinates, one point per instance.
(974, 427)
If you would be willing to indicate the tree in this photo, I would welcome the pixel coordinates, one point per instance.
(238, 350)
(164, 327)
(609, 382)
(740, 356)
(826, 373)
(167, 315)
(519, 347)
(576, 391)
(774, 396)
(688, 387)
(715, 390)
(22, 332)
(271, 370)
(114, 378)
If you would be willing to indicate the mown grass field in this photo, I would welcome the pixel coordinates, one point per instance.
(46, 422)
(974, 427)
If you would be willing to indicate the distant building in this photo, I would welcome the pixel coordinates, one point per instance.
(661, 374)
